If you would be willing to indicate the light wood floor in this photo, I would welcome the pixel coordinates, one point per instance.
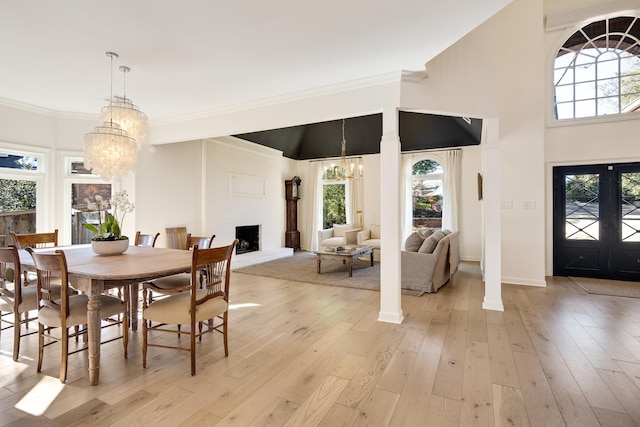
(305, 355)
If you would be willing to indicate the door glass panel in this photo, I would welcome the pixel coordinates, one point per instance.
(17, 208)
(630, 207)
(582, 207)
(79, 212)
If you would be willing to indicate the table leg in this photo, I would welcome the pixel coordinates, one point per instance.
(94, 307)
(350, 262)
(372, 258)
(319, 264)
(133, 306)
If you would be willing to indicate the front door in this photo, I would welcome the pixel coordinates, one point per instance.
(596, 221)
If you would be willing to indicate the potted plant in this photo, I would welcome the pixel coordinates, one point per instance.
(108, 238)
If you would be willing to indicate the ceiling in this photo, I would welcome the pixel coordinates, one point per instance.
(195, 56)
(363, 134)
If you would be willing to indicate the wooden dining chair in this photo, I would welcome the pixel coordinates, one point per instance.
(34, 240)
(146, 239)
(68, 311)
(17, 301)
(167, 285)
(177, 238)
(192, 305)
(143, 240)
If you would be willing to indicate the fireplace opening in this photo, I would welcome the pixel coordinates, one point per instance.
(248, 239)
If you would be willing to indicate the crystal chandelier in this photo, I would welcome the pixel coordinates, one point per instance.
(109, 150)
(341, 172)
(123, 111)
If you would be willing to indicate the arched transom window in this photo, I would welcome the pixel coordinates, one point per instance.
(597, 70)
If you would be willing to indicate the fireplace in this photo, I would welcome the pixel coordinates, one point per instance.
(248, 239)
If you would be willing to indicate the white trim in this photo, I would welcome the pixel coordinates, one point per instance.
(579, 17)
(241, 185)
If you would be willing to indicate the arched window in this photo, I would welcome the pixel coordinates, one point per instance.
(426, 191)
(597, 70)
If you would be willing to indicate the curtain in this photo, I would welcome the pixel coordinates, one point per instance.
(451, 163)
(314, 204)
(406, 212)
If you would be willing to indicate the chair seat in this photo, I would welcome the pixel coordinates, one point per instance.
(29, 299)
(333, 242)
(111, 306)
(172, 282)
(176, 308)
(371, 242)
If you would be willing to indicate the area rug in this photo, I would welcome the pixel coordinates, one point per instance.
(616, 288)
(303, 267)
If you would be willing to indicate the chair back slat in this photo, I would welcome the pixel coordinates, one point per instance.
(177, 238)
(202, 242)
(11, 274)
(50, 266)
(216, 262)
(35, 240)
(146, 239)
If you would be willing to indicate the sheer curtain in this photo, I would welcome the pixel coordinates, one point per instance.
(314, 204)
(406, 213)
(451, 163)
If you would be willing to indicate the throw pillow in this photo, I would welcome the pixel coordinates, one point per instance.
(425, 232)
(438, 235)
(340, 229)
(413, 242)
(428, 245)
(375, 231)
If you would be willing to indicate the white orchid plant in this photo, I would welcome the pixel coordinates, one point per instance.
(110, 228)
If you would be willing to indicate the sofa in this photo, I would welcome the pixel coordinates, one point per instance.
(338, 235)
(429, 260)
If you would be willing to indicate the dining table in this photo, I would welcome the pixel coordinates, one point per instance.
(94, 274)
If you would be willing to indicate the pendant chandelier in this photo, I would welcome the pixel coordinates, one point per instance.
(124, 112)
(109, 150)
(340, 172)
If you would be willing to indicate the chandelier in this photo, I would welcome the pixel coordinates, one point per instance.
(109, 150)
(123, 111)
(341, 172)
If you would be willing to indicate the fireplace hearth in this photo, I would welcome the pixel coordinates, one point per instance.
(248, 239)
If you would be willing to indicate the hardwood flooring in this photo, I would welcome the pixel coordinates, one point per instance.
(307, 355)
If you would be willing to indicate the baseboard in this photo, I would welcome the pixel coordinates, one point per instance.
(522, 281)
(257, 257)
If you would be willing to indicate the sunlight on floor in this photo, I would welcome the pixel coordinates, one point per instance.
(246, 305)
(16, 369)
(41, 396)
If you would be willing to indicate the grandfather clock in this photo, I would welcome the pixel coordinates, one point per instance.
(292, 235)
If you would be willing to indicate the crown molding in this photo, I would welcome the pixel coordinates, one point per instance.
(379, 80)
(46, 111)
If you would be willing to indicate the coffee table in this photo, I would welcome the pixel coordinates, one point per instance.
(347, 255)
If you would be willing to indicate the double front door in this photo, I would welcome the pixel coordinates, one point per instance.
(596, 221)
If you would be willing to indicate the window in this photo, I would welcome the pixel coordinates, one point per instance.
(597, 70)
(80, 184)
(20, 180)
(426, 191)
(333, 204)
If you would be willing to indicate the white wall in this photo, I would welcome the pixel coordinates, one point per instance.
(586, 141)
(168, 192)
(257, 197)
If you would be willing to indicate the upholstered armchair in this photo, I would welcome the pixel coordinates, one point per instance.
(370, 237)
(338, 235)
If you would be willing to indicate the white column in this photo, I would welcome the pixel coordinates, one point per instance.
(390, 201)
(492, 222)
